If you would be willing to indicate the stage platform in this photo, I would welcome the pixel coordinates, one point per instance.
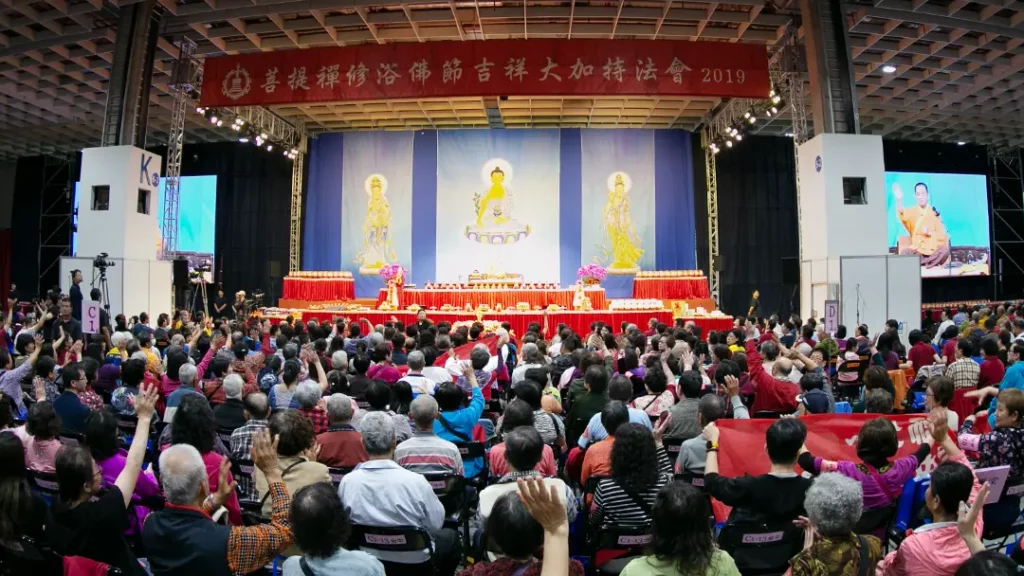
(519, 321)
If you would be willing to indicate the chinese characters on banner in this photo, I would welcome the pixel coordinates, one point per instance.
(488, 68)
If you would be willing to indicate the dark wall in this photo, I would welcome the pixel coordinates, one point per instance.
(253, 208)
(940, 157)
(757, 215)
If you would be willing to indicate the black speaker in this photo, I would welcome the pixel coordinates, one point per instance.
(274, 268)
(180, 273)
(791, 271)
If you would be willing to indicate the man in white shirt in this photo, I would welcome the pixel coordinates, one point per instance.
(417, 380)
(1018, 330)
(945, 323)
(381, 493)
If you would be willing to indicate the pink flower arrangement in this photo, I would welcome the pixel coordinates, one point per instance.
(592, 273)
(390, 271)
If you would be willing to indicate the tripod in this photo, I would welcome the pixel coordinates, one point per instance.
(200, 290)
(101, 274)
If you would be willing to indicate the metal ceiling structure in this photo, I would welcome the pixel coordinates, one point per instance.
(948, 70)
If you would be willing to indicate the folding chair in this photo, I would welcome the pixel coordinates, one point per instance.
(44, 484)
(761, 549)
(450, 489)
(23, 555)
(337, 474)
(472, 451)
(878, 521)
(380, 541)
(69, 438)
(672, 447)
(630, 541)
(1002, 519)
(252, 510)
(907, 509)
(225, 436)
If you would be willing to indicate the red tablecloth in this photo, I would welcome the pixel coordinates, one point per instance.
(671, 288)
(709, 324)
(322, 289)
(578, 321)
(508, 298)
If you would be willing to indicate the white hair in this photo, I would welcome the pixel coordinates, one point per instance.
(415, 360)
(140, 355)
(339, 408)
(187, 374)
(376, 338)
(119, 339)
(378, 430)
(834, 504)
(307, 393)
(339, 360)
(233, 385)
(182, 474)
(501, 333)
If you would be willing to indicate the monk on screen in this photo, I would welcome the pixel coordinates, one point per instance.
(928, 235)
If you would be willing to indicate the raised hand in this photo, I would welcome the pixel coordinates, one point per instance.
(543, 503)
(145, 402)
(897, 192)
(711, 432)
(225, 488)
(264, 453)
(940, 425)
(732, 386)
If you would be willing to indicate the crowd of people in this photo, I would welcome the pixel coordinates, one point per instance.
(206, 445)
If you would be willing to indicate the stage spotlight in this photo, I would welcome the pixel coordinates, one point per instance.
(752, 119)
(728, 143)
(294, 151)
(888, 68)
(270, 147)
(739, 137)
(220, 122)
(243, 138)
(776, 99)
(263, 135)
(768, 113)
(774, 110)
(213, 119)
(236, 127)
(771, 93)
(747, 114)
(200, 110)
(961, 143)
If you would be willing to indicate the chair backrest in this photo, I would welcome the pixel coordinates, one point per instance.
(672, 447)
(472, 451)
(445, 483)
(961, 404)
(391, 539)
(337, 474)
(225, 435)
(692, 478)
(877, 519)
(1000, 517)
(761, 548)
(631, 540)
(767, 414)
(44, 484)
(243, 468)
(909, 504)
(590, 486)
(23, 555)
(69, 438)
(843, 408)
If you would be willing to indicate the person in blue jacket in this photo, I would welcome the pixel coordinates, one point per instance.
(456, 421)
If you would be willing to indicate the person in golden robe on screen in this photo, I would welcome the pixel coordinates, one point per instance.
(928, 235)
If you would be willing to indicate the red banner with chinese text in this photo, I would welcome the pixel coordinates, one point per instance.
(488, 68)
(830, 436)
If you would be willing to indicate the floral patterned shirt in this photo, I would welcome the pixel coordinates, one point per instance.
(1000, 447)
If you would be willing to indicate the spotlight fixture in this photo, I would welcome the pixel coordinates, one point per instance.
(751, 118)
(768, 113)
(772, 93)
(774, 110)
(776, 99)
(738, 137)
(961, 143)
(747, 115)
(270, 147)
(728, 143)
(200, 110)
(243, 138)
(263, 135)
(220, 122)
(888, 69)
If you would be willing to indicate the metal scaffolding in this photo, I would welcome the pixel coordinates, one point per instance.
(1006, 186)
(188, 75)
(295, 227)
(711, 174)
(55, 217)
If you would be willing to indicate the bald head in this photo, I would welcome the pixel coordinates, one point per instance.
(782, 368)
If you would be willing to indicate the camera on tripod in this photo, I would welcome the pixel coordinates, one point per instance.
(101, 262)
(197, 271)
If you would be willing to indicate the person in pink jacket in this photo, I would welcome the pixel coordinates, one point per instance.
(937, 549)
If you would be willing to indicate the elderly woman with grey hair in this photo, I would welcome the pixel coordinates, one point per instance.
(309, 396)
(231, 413)
(531, 358)
(296, 454)
(834, 505)
(381, 493)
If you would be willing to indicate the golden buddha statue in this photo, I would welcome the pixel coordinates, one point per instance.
(624, 249)
(377, 250)
(494, 223)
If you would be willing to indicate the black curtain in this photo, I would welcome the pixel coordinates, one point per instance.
(253, 211)
(757, 222)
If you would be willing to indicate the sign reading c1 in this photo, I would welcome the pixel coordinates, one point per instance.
(90, 317)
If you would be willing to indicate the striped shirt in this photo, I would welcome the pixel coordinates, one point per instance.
(613, 506)
(426, 453)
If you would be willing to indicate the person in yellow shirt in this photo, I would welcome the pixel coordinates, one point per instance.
(928, 235)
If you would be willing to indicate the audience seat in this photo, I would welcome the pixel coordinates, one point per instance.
(761, 549)
(908, 509)
(471, 451)
(44, 484)
(878, 521)
(1001, 519)
(24, 556)
(337, 474)
(625, 543)
(372, 539)
(844, 408)
(450, 489)
(225, 436)
(672, 446)
(69, 438)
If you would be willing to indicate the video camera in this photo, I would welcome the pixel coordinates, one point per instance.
(101, 262)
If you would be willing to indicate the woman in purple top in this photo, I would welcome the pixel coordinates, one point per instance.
(882, 480)
(101, 438)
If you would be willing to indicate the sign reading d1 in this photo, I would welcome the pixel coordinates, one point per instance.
(831, 316)
(90, 317)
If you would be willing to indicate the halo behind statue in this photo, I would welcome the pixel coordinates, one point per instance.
(499, 163)
(369, 181)
(627, 181)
